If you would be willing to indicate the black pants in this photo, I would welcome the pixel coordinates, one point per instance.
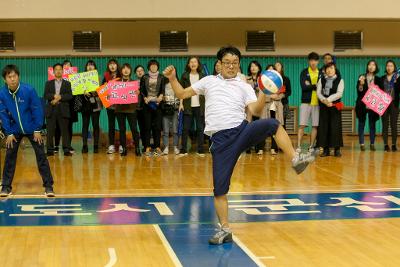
(330, 127)
(390, 118)
(152, 121)
(261, 145)
(111, 126)
(132, 121)
(188, 121)
(273, 142)
(95, 124)
(55, 120)
(57, 135)
(10, 162)
(141, 123)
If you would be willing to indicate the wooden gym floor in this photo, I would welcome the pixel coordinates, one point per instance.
(130, 211)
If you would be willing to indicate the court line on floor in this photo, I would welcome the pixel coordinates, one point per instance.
(267, 258)
(113, 257)
(171, 194)
(248, 251)
(334, 173)
(167, 246)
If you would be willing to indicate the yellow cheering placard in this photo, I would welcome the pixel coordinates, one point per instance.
(84, 82)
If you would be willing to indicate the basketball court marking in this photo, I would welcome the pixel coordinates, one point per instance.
(146, 194)
(169, 210)
(190, 243)
(167, 246)
(248, 251)
(113, 257)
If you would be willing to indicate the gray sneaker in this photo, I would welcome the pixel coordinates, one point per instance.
(301, 161)
(220, 238)
(314, 151)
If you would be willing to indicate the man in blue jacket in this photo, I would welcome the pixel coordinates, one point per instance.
(21, 113)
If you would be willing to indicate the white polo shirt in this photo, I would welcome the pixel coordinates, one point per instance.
(226, 101)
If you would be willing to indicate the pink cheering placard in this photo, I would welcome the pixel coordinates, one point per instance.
(123, 92)
(376, 99)
(66, 72)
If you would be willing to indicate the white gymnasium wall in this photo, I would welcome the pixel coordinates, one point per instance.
(141, 37)
(177, 9)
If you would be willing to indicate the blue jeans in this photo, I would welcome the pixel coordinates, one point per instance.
(167, 121)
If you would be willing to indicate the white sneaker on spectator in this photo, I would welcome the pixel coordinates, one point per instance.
(260, 152)
(273, 152)
(166, 151)
(111, 149)
(176, 150)
(121, 149)
(201, 155)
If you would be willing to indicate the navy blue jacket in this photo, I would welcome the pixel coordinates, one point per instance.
(306, 90)
(21, 112)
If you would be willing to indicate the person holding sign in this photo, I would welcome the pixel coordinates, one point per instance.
(127, 113)
(390, 84)
(21, 114)
(363, 83)
(226, 98)
(330, 91)
(58, 95)
(91, 108)
(112, 73)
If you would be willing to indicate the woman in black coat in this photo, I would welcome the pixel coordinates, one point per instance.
(363, 83)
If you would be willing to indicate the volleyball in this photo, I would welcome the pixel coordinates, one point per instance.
(270, 82)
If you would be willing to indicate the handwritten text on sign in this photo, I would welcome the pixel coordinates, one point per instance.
(84, 82)
(66, 72)
(376, 99)
(123, 92)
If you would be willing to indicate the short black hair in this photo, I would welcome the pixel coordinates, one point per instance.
(330, 64)
(376, 66)
(9, 69)
(57, 64)
(228, 50)
(255, 62)
(270, 66)
(153, 62)
(313, 56)
(90, 62)
(137, 67)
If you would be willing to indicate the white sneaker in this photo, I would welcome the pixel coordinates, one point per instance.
(111, 149)
(313, 151)
(201, 155)
(121, 149)
(260, 152)
(176, 150)
(166, 151)
(273, 152)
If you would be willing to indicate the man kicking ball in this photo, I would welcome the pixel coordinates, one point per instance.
(227, 97)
